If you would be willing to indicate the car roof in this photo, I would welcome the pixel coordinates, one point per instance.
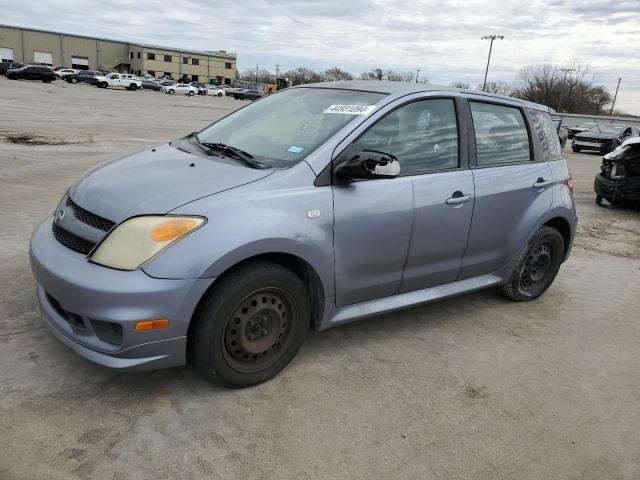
(398, 89)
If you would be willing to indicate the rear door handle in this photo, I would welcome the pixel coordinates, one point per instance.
(541, 182)
(458, 198)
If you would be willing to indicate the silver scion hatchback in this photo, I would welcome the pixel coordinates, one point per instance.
(309, 208)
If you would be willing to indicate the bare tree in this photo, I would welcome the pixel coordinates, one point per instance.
(387, 74)
(565, 88)
(261, 76)
(499, 88)
(302, 75)
(335, 74)
(460, 85)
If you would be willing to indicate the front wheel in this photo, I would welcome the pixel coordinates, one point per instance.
(251, 325)
(190, 94)
(536, 267)
(220, 94)
(133, 87)
(576, 149)
(171, 92)
(74, 80)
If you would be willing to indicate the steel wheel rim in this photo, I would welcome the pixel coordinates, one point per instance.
(257, 330)
(537, 266)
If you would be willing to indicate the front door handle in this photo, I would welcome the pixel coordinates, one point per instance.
(458, 198)
(541, 182)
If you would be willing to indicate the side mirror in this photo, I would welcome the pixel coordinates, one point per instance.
(370, 164)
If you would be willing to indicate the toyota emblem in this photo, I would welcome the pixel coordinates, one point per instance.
(59, 216)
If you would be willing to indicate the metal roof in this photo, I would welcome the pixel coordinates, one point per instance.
(405, 88)
(209, 53)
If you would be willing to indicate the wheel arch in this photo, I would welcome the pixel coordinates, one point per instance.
(564, 227)
(298, 265)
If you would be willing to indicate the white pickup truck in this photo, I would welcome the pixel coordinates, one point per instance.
(121, 80)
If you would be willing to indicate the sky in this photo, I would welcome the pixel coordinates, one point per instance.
(440, 37)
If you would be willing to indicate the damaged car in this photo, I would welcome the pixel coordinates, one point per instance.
(602, 138)
(619, 179)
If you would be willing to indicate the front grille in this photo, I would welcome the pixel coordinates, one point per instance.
(592, 140)
(91, 219)
(72, 241)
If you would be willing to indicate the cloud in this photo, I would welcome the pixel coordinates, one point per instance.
(441, 37)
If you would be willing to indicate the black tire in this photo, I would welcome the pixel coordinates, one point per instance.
(190, 93)
(238, 338)
(536, 267)
(220, 94)
(133, 87)
(576, 149)
(599, 200)
(171, 92)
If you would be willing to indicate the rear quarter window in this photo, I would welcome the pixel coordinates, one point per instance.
(547, 134)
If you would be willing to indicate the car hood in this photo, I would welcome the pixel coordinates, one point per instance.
(156, 181)
(597, 135)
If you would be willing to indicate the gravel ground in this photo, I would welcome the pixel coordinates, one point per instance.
(471, 387)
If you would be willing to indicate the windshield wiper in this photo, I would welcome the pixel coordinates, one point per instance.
(231, 152)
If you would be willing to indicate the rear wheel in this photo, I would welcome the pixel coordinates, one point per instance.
(171, 92)
(251, 325)
(133, 87)
(220, 94)
(537, 266)
(74, 80)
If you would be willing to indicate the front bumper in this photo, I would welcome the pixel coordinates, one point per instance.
(598, 146)
(77, 298)
(620, 190)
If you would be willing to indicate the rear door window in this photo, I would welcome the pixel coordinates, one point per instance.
(501, 134)
(547, 134)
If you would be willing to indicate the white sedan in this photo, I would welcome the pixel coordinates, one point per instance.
(185, 88)
(63, 72)
(217, 91)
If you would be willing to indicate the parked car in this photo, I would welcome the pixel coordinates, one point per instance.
(562, 132)
(602, 138)
(226, 246)
(149, 84)
(84, 76)
(248, 95)
(62, 73)
(184, 88)
(573, 131)
(218, 92)
(31, 72)
(619, 179)
(166, 83)
(118, 80)
(4, 66)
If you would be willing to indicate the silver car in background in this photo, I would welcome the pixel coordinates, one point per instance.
(310, 208)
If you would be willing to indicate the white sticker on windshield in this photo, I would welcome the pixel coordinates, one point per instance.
(351, 109)
(295, 149)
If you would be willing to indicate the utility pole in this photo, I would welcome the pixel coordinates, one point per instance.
(492, 38)
(256, 73)
(564, 79)
(614, 97)
(277, 70)
(417, 73)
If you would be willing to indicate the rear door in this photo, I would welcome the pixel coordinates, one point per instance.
(512, 185)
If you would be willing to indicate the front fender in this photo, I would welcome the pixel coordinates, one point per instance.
(268, 216)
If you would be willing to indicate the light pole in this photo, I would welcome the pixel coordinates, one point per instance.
(492, 38)
(614, 97)
(277, 71)
(417, 73)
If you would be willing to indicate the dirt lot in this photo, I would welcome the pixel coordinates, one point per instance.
(473, 387)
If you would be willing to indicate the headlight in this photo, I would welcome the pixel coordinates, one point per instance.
(138, 239)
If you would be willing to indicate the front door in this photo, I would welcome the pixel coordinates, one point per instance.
(407, 233)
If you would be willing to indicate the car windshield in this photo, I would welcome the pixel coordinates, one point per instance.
(283, 128)
(616, 129)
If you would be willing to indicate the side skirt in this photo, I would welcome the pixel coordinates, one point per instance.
(334, 316)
